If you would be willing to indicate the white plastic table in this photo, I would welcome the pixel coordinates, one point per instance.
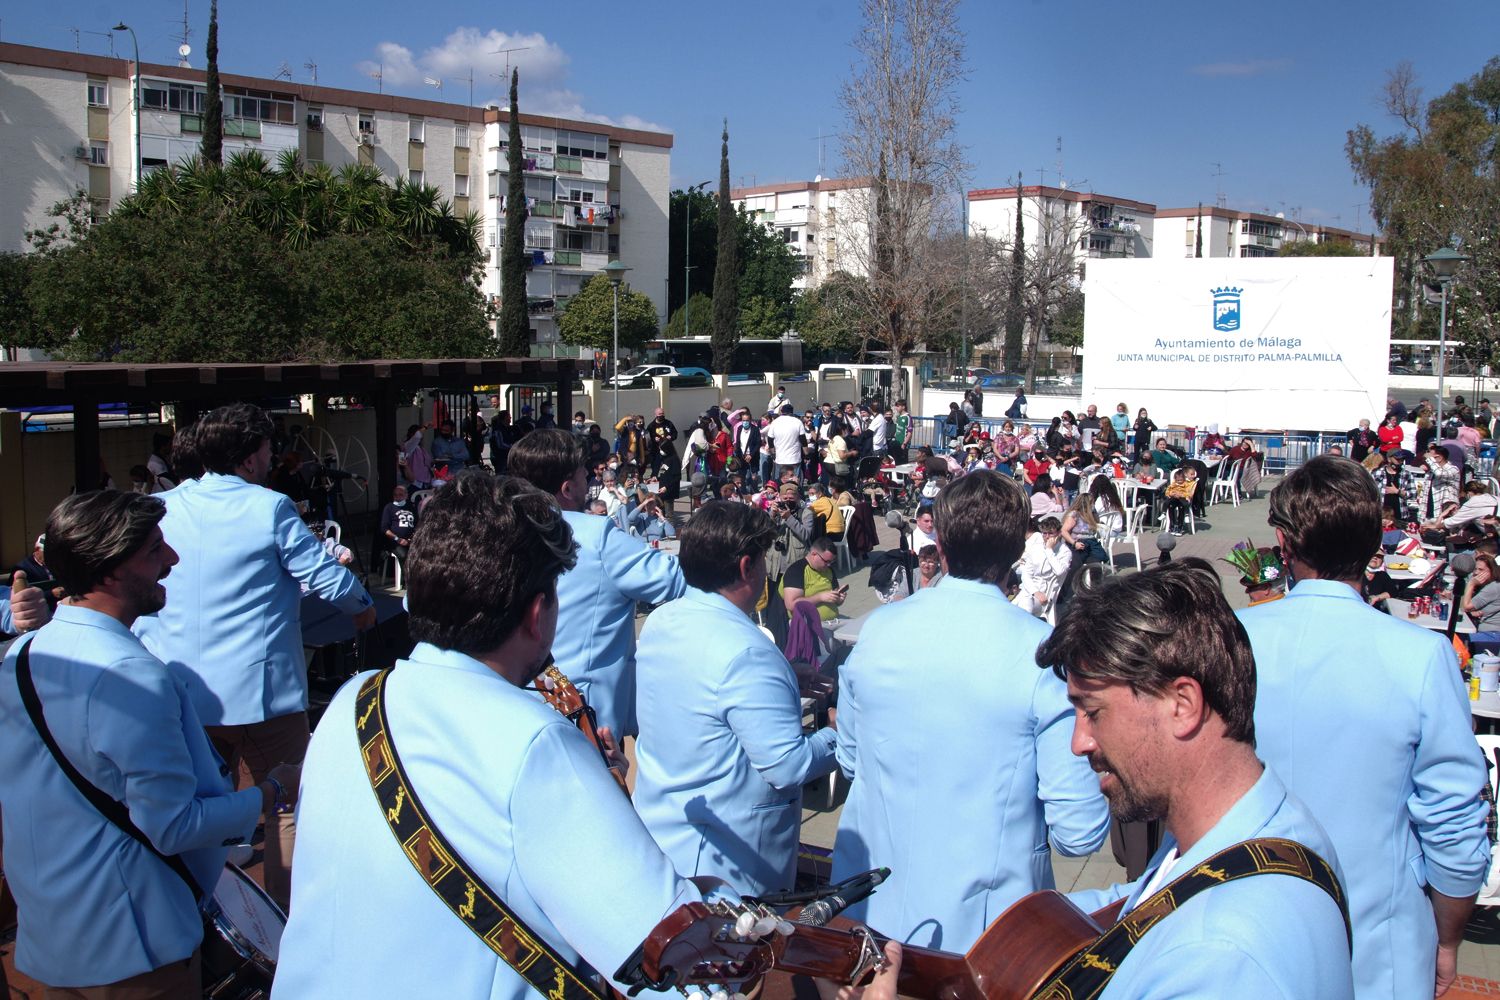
(1399, 608)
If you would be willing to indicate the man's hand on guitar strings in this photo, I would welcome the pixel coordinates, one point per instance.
(882, 987)
(612, 751)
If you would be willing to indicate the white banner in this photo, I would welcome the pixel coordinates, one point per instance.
(1272, 343)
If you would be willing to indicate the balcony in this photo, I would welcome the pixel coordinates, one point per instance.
(568, 164)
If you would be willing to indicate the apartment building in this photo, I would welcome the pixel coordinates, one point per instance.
(822, 221)
(1229, 232)
(1095, 225)
(595, 193)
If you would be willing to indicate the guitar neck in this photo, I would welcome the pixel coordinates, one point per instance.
(836, 953)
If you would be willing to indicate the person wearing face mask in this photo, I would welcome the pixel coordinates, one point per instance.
(580, 424)
(596, 449)
(630, 439)
(398, 522)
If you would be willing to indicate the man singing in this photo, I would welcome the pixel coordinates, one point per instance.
(103, 912)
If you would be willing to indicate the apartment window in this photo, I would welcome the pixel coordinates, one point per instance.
(461, 136)
(367, 122)
(416, 177)
(98, 153)
(460, 185)
(584, 144)
(163, 96)
(98, 94)
(259, 105)
(416, 130)
(540, 188)
(315, 119)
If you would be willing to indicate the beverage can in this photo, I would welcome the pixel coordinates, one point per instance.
(1474, 687)
(656, 543)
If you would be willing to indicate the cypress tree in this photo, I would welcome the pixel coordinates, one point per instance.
(213, 103)
(1198, 242)
(726, 271)
(1015, 314)
(515, 320)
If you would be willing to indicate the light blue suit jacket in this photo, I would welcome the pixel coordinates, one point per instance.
(7, 623)
(232, 624)
(722, 757)
(1365, 718)
(961, 766)
(523, 798)
(1257, 938)
(595, 644)
(96, 906)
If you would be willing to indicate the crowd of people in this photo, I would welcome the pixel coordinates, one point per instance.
(447, 798)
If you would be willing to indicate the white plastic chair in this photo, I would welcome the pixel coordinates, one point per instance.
(388, 561)
(1134, 516)
(841, 547)
(1226, 484)
(332, 530)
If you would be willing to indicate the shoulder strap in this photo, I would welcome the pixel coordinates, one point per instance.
(444, 869)
(1090, 971)
(111, 809)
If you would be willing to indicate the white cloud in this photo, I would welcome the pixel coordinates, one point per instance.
(1248, 67)
(542, 64)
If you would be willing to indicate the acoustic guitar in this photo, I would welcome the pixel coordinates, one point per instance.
(563, 695)
(727, 943)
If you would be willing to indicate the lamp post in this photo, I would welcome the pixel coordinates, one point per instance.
(1283, 218)
(687, 255)
(616, 272)
(1445, 264)
(135, 167)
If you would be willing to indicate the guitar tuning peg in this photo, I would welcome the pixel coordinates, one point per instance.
(764, 926)
(739, 996)
(695, 995)
(744, 924)
(718, 995)
(551, 684)
(785, 927)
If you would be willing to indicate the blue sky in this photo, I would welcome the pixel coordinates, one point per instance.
(1144, 94)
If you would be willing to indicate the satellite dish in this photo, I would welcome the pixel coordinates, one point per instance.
(818, 179)
(184, 50)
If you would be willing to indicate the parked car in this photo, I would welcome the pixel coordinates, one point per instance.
(686, 378)
(640, 376)
(1059, 383)
(972, 374)
(1001, 381)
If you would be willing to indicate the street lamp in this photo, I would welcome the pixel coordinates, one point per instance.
(135, 178)
(687, 256)
(616, 272)
(1283, 218)
(1445, 264)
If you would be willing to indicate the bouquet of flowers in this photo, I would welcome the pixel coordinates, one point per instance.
(1256, 566)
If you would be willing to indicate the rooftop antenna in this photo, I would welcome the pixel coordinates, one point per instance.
(506, 53)
(379, 77)
(1060, 182)
(820, 137)
(183, 48)
(1218, 185)
(75, 39)
(283, 73)
(102, 34)
(312, 68)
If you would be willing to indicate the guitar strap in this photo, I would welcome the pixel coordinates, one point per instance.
(1090, 971)
(444, 869)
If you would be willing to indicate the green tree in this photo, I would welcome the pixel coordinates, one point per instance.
(515, 318)
(726, 332)
(763, 319)
(701, 232)
(700, 318)
(1436, 183)
(825, 316)
(249, 262)
(1015, 309)
(1328, 248)
(213, 101)
(588, 320)
(1067, 324)
(15, 313)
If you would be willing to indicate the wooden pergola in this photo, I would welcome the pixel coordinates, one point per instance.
(195, 388)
